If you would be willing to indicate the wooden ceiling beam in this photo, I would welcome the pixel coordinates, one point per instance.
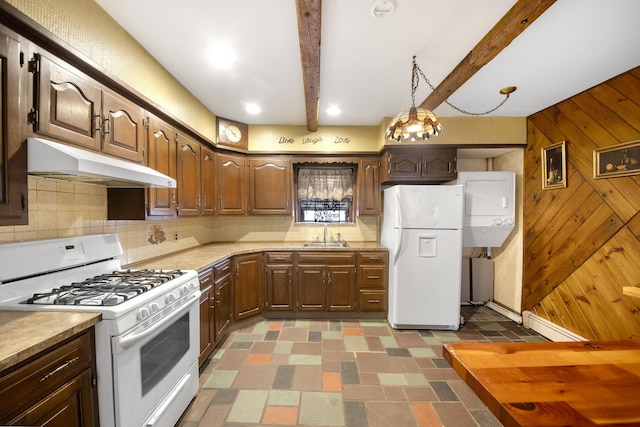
(514, 22)
(309, 22)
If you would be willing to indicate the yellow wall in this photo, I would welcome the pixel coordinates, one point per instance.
(328, 139)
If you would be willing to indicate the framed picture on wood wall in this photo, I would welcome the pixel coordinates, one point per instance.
(554, 166)
(617, 160)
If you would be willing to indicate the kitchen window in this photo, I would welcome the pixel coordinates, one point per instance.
(324, 194)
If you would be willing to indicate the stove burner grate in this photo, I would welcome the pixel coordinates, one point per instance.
(106, 289)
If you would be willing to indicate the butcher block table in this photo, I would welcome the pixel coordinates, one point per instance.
(553, 383)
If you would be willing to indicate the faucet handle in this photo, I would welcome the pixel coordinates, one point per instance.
(338, 234)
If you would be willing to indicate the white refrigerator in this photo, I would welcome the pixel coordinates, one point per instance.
(422, 227)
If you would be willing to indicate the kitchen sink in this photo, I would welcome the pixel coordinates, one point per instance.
(341, 244)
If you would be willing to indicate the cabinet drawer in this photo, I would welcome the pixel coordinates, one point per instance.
(343, 258)
(373, 301)
(279, 257)
(373, 257)
(372, 276)
(221, 270)
(205, 279)
(41, 376)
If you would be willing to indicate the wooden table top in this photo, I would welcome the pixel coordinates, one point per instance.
(553, 383)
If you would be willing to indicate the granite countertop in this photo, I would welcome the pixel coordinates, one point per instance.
(26, 333)
(202, 257)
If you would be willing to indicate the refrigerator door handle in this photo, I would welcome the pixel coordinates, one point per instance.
(400, 230)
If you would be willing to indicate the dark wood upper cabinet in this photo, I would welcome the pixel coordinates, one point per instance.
(13, 151)
(369, 187)
(76, 109)
(208, 175)
(124, 134)
(189, 188)
(161, 138)
(269, 186)
(419, 165)
(68, 103)
(231, 184)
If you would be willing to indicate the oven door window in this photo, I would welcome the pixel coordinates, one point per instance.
(161, 354)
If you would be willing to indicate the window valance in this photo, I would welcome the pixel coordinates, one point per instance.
(325, 184)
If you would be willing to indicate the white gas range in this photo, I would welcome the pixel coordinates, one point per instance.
(147, 343)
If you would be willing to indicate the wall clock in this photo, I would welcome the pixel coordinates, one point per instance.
(232, 133)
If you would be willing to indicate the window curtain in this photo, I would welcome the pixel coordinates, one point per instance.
(325, 184)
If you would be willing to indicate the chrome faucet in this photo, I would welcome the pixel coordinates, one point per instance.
(326, 230)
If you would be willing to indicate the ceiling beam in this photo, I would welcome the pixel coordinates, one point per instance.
(514, 22)
(309, 20)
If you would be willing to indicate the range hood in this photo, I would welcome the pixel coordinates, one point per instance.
(54, 160)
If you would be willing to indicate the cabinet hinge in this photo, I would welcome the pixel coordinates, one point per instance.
(34, 64)
(33, 116)
(146, 123)
(94, 381)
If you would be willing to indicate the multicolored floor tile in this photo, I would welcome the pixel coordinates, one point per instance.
(344, 373)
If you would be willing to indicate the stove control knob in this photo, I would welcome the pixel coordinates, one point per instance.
(154, 307)
(143, 313)
(170, 298)
(184, 289)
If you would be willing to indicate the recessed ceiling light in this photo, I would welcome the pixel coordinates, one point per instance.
(334, 111)
(253, 108)
(222, 55)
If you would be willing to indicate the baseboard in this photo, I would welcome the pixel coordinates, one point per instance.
(549, 329)
(504, 311)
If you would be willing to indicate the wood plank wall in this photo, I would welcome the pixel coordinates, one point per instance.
(582, 242)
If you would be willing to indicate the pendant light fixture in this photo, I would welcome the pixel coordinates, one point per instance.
(419, 123)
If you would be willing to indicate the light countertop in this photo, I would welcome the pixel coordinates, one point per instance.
(26, 333)
(208, 255)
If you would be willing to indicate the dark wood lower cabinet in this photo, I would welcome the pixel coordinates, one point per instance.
(326, 281)
(55, 388)
(248, 285)
(223, 297)
(207, 315)
(288, 284)
(279, 287)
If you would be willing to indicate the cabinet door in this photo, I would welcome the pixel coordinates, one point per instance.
(404, 165)
(207, 315)
(208, 189)
(223, 311)
(312, 292)
(189, 194)
(369, 187)
(439, 164)
(123, 132)
(280, 287)
(13, 152)
(70, 406)
(68, 104)
(269, 187)
(341, 288)
(248, 285)
(162, 157)
(231, 184)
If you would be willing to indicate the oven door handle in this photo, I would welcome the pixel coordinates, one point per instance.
(129, 340)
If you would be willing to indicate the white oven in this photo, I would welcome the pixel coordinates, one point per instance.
(147, 344)
(154, 368)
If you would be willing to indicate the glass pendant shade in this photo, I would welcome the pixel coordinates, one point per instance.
(413, 124)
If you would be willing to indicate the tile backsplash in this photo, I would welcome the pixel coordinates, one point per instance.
(61, 208)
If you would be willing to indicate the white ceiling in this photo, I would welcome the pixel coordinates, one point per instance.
(366, 61)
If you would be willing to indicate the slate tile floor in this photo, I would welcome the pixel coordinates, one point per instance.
(344, 373)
